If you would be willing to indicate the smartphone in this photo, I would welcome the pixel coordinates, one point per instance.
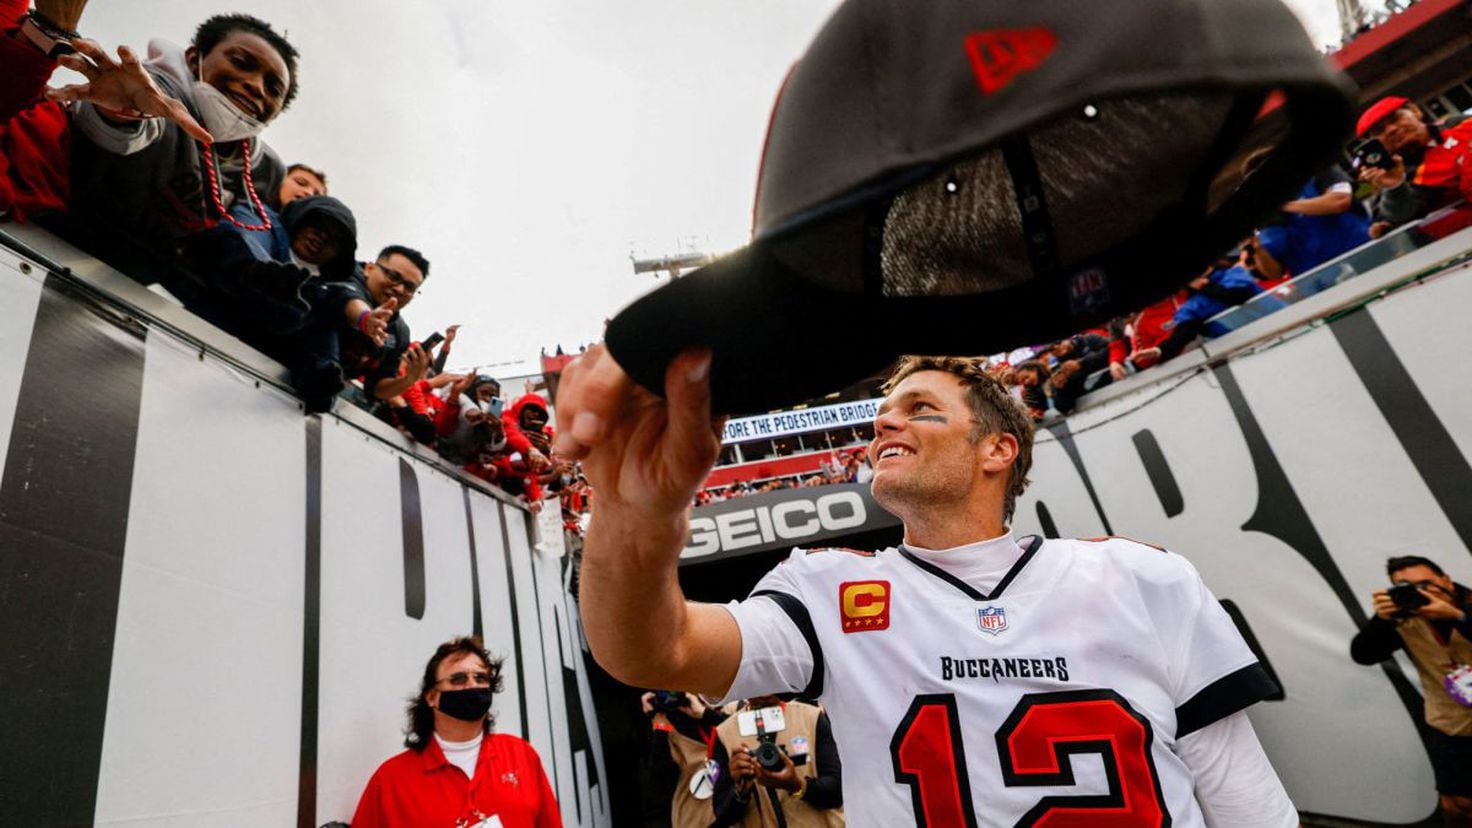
(1372, 153)
(432, 340)
(761, 721)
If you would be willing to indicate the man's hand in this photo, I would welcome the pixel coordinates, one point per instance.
(743, 771)
(1384, 606)
(1379, 228)
(450, 334)
(1439, 607)
(122, 88)
(537, 462)
(416, 362)
(1382, 179)
(785, 779)
(64, 13)
(693, 706)
(641, 452)
(1117, 370)
(375, 324)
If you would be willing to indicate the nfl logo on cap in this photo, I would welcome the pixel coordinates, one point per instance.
(992, 620)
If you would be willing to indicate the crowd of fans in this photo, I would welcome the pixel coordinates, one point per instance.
(155, 164)
(1405, 167)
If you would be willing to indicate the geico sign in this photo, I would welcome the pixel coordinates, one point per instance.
(792, 520)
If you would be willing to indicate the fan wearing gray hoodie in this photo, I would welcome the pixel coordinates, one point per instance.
(142, 184)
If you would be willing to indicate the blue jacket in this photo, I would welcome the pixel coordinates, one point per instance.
(1201, 307)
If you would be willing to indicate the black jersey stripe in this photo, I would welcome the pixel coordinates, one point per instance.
(1031, 544)
(799, 615)
(1234, 691)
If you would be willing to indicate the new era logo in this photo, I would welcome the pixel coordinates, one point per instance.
(864, 604)
(1000, 55)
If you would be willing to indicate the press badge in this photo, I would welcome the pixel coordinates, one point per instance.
(703, 782)
(1459, 685)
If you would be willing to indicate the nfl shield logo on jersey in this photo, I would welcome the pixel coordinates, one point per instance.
(991, 619)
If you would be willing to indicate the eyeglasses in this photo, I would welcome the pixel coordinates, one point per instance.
(398, 278)
(462, 679)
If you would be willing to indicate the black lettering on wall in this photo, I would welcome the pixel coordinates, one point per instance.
(531, 559)
(515, 619)
(1421, 433)
(1161, 477)
(1280, 514)
(413, 540)
(64, 496)
(1045, 519)
(306, 794)
(1240, 621)
(477, 626)
(1061, 433)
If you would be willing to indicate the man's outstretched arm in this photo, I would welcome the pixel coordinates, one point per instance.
(645, 458)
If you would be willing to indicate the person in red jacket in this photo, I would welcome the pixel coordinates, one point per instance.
(35, 137)
(456, 771)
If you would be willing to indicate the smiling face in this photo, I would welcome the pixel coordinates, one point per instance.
(925, 450)
(1404, 128)
(300, 183)
(248, 70)
(393, 276)
(315, 245)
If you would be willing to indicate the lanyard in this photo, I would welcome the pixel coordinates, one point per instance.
(709, 735)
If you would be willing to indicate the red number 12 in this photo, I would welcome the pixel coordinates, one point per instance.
(1034, 743)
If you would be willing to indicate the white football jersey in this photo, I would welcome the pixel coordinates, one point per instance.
(1053, 697)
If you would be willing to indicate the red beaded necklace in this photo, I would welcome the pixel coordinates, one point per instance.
(250, 188)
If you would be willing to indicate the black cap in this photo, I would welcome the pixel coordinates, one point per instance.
(962, 176)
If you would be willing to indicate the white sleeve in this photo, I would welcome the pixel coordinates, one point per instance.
(1340, 187)
(779, 648)
(1214, 673)
(1235, 783)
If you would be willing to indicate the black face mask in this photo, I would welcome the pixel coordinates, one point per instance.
(469, 705)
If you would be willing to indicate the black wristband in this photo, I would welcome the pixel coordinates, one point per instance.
(51, 27)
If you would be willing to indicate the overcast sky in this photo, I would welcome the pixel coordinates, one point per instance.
(529, 148)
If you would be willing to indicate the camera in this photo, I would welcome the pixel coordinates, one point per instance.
(764, 723)
(767, 754)
(667, 701)
(1407, 599)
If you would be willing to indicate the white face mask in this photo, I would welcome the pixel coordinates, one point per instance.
(222, 117)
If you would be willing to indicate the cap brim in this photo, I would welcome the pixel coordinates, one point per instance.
(775, 338)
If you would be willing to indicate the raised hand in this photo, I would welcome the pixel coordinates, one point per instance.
(375, 324)
(64, 13)
(639, 451)
(122, 87)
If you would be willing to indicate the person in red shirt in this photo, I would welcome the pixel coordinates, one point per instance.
(456, 771)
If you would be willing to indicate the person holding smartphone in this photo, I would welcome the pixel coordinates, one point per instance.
(1430, 615)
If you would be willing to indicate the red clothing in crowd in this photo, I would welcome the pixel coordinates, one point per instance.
(1153, 324)
(423, 789)
(422, 399)
(512, 418)
(1447, 165)
(35, 135)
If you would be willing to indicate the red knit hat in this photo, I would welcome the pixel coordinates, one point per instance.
(1378, 111)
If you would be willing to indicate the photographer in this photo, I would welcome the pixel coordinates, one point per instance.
(1431, 617)
(1427, 164)
(801, 784)
(683, 743)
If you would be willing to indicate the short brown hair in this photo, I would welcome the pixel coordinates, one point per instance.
(321, 176)
(995, 410)
(421, 715)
